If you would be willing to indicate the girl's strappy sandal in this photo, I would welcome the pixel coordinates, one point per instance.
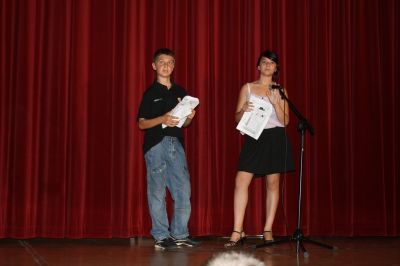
(240, 241)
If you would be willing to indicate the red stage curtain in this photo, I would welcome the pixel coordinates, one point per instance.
(73, 73)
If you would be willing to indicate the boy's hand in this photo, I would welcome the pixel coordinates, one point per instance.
(169, 120)
(192, 114)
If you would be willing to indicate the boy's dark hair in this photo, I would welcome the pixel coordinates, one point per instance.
(271, 56)
(161, 51)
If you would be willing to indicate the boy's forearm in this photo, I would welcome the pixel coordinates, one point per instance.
(149, 123)
(187, 122)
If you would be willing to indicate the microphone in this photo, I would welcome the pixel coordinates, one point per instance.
(275, 86)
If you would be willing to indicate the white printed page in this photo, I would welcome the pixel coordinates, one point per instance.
(183, 109)
(253, 123)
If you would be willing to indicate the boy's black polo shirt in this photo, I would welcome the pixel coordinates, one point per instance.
(158, 100)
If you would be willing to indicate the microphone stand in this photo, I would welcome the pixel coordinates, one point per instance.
(298, 235)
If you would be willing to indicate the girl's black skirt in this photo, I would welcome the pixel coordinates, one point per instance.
(270, 154)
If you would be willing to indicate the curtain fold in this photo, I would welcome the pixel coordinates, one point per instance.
(72, 74)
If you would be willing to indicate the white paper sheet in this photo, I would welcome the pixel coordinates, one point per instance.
(254, 122)
(183, 109)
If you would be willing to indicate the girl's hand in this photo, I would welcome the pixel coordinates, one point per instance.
(274, 97)
(247, 106)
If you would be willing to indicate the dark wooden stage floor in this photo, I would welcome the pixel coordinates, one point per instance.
(140, 251)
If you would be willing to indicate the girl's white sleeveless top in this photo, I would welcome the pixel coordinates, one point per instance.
(273, 119)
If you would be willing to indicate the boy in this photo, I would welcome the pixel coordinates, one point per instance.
(165, 156)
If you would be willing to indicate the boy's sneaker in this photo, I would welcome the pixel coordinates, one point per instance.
(187, 241)
(166, 243)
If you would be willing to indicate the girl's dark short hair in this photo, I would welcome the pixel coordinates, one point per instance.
(271, 56)
(161, 51)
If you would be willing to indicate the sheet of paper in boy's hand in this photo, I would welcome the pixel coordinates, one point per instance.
(254, 122)
(183, 109)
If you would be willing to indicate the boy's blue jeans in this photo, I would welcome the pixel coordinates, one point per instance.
(167, 167)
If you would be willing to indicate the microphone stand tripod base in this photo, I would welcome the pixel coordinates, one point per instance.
(299, 239)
